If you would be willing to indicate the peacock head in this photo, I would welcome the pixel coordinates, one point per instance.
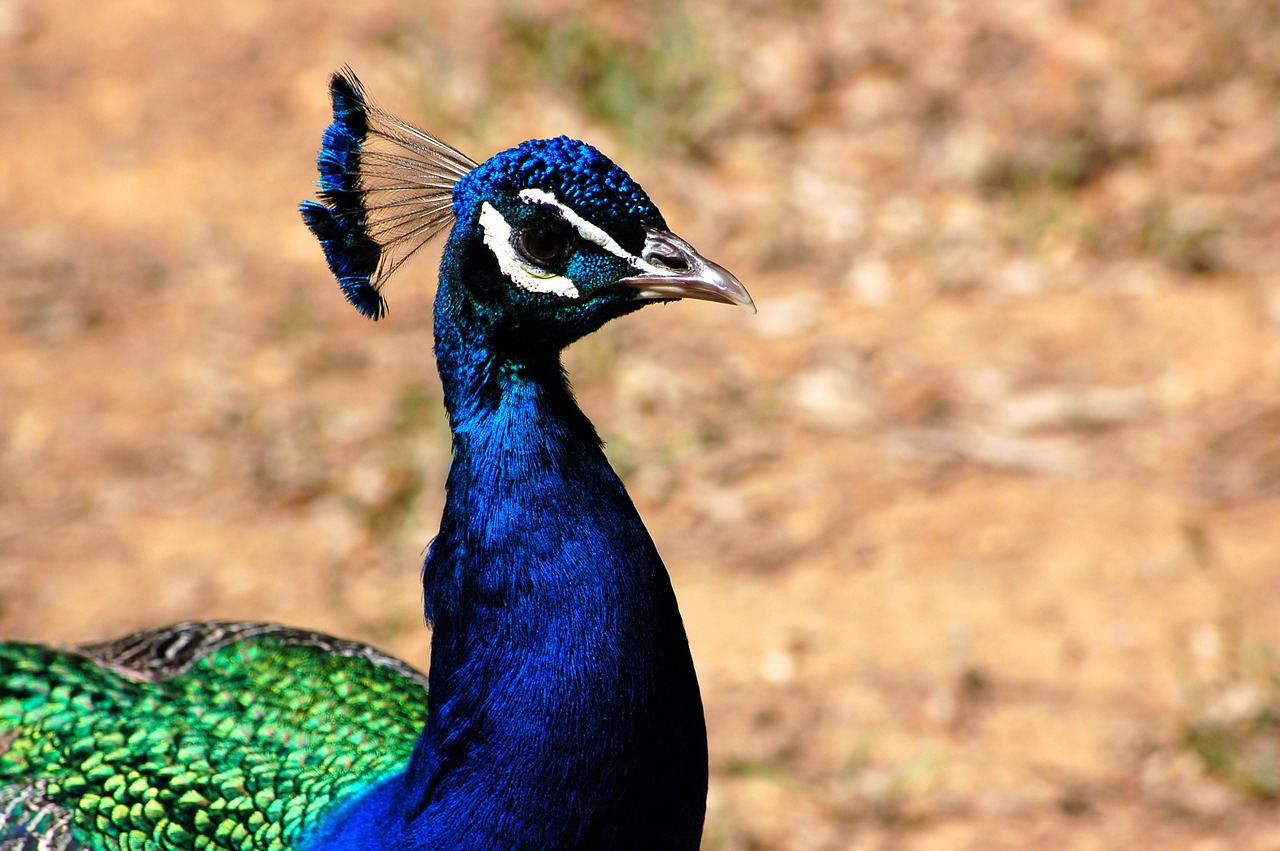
(548, 240)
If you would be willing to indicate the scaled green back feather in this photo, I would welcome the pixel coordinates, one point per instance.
(200, 736)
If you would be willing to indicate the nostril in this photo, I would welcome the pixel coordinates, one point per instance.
(670, 260)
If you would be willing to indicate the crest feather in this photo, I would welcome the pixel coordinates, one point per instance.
(386, 188)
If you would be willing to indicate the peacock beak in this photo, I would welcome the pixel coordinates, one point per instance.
(671, 268)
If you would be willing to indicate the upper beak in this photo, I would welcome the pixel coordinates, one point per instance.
(672, 269)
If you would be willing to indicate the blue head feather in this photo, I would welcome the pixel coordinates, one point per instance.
(577, 173)
(586, 182)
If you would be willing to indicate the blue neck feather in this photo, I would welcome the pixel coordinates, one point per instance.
(564, 711)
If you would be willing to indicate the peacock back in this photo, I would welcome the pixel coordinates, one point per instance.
(197, 736)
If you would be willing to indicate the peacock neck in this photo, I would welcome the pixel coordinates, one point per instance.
(563, 707)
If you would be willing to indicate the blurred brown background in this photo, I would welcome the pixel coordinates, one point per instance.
(976, 526)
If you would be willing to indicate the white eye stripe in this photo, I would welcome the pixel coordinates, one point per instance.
(588, 231)
(497, 236)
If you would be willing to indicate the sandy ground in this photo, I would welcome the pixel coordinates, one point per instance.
(974, 526)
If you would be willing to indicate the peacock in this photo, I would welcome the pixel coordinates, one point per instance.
(561, 709)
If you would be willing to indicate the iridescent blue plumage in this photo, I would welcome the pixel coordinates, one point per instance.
(564, 709)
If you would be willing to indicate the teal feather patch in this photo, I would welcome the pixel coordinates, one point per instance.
(203, 736)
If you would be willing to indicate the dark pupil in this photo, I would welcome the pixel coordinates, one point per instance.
(541, 245)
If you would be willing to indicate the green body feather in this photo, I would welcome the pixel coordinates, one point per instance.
(191, 738)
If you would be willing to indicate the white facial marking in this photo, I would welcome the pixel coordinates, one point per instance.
(588, 231)
(497, 235)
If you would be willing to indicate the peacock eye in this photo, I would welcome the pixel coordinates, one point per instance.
(541, 246)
